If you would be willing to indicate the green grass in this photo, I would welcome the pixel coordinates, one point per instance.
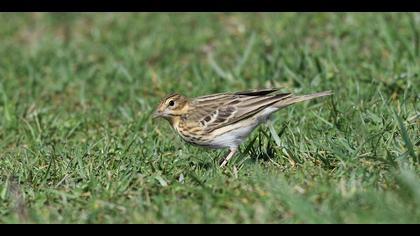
(77, 144)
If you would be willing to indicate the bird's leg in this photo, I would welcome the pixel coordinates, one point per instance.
(229, 155)
(273, 132)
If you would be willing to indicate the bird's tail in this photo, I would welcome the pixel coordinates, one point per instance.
(294, 99)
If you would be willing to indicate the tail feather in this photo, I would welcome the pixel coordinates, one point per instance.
(294, 99)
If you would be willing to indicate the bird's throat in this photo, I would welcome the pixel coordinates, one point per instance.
(173, 120)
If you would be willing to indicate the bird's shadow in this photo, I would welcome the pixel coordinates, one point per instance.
(261, 148)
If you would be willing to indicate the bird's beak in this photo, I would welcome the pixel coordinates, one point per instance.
(156, 114)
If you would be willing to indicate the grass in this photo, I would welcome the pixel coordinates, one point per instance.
(77, 144)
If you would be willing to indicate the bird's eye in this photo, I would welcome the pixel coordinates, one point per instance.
(171, 103)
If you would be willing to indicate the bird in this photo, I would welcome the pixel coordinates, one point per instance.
(224, 120)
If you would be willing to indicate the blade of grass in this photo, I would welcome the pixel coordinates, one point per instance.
(406, 138)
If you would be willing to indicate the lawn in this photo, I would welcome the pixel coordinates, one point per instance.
(78, 145)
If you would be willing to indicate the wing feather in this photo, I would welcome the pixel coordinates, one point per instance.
(218, 110)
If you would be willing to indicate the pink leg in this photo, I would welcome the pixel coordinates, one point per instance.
(232, 152)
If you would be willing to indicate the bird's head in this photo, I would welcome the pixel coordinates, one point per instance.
(171, 107)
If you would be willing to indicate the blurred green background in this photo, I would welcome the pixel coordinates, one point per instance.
(77, 144)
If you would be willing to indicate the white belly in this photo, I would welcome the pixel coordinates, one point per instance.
(232, 138)
(239, 131)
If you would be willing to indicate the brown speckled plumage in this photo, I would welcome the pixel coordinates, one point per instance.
(223, 119)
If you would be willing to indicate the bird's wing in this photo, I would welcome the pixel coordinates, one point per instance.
(215, 111)
(219, 97)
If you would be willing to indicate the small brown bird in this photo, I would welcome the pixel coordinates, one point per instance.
(224, 120)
